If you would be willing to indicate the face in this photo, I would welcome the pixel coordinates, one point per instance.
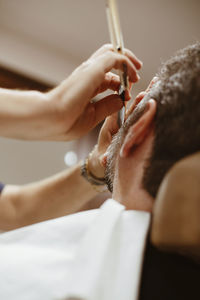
(117, 141)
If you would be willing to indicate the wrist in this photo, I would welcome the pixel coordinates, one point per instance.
(98, 183)
(94, 164)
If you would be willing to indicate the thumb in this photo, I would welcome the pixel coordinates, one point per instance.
(107, 106)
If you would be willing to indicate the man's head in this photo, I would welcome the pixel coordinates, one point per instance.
(171, 124)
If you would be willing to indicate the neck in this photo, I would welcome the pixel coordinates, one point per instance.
(135, 197)
(127, 185)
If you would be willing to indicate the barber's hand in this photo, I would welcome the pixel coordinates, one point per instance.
(73, 96)
(140, 96)
(97, 160)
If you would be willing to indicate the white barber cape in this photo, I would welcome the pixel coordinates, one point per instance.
(92, 255)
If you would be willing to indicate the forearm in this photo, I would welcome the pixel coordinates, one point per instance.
(56, 196)
(28, 115)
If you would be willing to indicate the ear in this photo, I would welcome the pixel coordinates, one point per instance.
(138, 131)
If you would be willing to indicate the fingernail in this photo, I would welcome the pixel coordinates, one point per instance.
(151, 101)
(138, 76)
(141, 63)
(128, 95)
(121, 152)
(155, 78)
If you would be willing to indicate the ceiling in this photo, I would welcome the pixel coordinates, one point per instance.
(47, 39)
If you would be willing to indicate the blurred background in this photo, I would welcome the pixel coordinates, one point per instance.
(42, 41)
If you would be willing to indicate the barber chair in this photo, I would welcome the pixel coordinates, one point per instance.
(176, 214)
(171, 269)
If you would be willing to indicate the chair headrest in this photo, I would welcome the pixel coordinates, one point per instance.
(176, 213)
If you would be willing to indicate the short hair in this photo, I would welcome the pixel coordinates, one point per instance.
(177, 120)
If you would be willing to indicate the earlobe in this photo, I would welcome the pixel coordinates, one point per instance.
(138, 131)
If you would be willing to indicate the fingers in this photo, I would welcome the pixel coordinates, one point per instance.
(109, 128)
(106, 107)
(111, 81)
(110, 60)
(141, 95)
(138, 98)
(153, 81)
(111, 124)
(97, 77)
(138, 63)
(108, 47)
(103, 49)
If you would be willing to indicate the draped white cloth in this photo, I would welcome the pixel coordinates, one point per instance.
(92, 255)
